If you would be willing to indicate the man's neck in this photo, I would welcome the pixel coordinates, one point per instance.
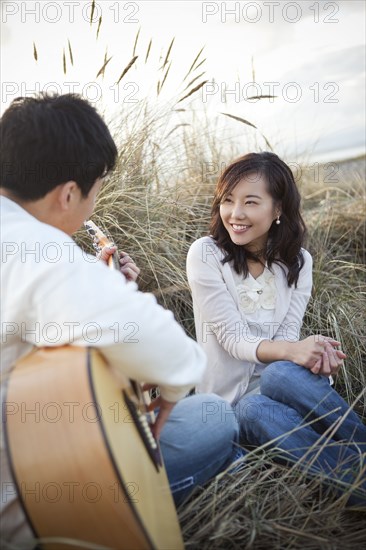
(35, 208)
(6, 193)
(41, 209)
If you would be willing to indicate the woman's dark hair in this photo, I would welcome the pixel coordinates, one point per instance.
(284, 240)
(51, 139)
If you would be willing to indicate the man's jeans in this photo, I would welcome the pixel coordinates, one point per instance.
(199, 439)
(306, 419)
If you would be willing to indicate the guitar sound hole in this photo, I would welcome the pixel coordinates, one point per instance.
(144, 430)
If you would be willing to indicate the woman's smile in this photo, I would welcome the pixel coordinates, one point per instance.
(240, 228)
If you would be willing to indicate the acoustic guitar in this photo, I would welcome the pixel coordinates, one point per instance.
(88, 471)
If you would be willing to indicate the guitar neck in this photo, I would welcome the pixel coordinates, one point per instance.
(101, 240)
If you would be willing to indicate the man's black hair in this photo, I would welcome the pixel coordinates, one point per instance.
(52, 139)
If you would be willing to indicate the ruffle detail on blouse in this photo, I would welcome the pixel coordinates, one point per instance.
(257, 293)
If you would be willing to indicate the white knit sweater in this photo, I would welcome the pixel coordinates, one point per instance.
(224, 330)
(53, 294)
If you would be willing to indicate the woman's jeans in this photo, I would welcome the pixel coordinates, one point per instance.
(308, 422)
(199, 439)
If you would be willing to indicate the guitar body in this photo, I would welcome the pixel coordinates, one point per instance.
(80, 458)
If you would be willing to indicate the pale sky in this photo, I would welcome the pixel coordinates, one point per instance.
(308, 53)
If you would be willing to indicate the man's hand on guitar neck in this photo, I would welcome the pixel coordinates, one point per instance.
(165, 408)
(128, 267)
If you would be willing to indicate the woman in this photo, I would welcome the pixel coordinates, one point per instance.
(251, 281)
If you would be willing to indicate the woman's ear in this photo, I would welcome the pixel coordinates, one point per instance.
(278, 210)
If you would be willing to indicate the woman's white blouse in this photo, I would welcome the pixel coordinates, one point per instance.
(233, 315)
(257, 300)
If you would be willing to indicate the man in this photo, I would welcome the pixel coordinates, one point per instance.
(55, 153)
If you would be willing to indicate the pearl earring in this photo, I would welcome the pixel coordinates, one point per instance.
(278, 221)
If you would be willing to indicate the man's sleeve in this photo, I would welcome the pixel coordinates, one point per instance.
(89, 305)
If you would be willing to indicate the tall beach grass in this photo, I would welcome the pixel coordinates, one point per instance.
(155, 207)
(155, 204)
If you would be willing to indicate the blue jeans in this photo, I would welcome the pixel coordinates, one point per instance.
(326, 436)
(199, 439)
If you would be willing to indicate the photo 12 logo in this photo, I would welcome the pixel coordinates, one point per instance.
(269, 12)
(69, 491)
(92, 91)
(53, 333)
(327, 173)
(68, 11)
(252, 92)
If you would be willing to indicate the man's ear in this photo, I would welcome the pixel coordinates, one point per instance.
(68, 192)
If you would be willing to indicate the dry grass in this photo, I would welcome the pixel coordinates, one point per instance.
(155, 207)
(269, 506)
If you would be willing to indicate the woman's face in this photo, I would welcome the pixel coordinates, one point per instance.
(248, 212)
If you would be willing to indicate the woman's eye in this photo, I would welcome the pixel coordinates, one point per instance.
(250, 202)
